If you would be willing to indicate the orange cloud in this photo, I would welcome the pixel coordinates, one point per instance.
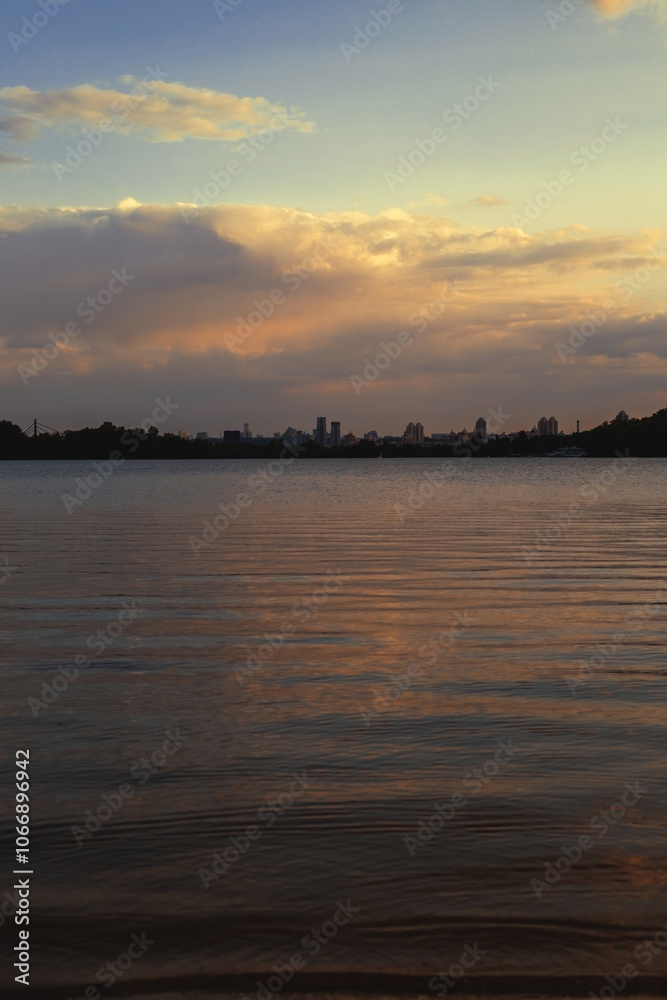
(488, 201)
(616, 8)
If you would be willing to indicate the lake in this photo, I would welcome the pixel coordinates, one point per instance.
(347, 727)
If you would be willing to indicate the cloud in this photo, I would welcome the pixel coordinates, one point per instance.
(128, 204)
(346, 282)
(20, 128)
(488, 201)
(430, 201)
(10, 160)
(156, 111)
(618, 8)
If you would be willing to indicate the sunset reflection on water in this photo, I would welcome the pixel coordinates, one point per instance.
(330, 698)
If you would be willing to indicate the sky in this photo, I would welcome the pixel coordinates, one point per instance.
(242, 206)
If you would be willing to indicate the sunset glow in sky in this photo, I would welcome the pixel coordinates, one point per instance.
(257, 196)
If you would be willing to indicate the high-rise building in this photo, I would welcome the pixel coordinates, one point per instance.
(419, 433)
(622, 416)
(552, 426)
(321, 432)
(542, 426)
(335, 434)
(247, 436)
(480, 430)
(292, 438)
(409, 434)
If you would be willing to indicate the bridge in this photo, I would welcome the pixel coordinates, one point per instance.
(35, 428)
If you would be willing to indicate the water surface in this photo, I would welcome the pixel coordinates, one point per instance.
(379, 643)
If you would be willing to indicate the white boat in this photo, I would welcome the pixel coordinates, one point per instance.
(571, 452)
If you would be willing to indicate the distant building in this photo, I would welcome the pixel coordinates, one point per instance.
(371, 436)
(202, 435)
(321, 432)
(247, 436)
(292, 438)
(349, 440)
(231, 437)
(480, 430)
(419, 433)
(622, 416)
(547, 426)
(335, 434)
(409, 434)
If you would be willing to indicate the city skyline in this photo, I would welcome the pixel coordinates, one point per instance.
(494, 424)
